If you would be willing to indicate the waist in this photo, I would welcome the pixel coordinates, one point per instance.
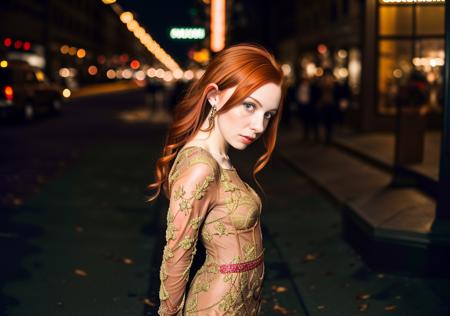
(243, 266)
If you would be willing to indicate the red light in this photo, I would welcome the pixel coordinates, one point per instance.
(7, 41)
(17, 44)
(26, 46)
(9, 93)
(322, 49)
(135, 64)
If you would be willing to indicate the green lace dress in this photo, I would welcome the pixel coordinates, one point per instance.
(212, 203)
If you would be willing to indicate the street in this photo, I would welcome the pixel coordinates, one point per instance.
(78, 237)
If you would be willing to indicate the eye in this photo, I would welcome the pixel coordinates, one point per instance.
(249, 106)
(268, 115)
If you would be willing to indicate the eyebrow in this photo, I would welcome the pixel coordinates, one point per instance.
(259, 103)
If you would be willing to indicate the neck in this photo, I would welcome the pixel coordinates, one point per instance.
(212, 140)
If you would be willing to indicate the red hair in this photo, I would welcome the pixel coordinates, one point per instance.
(246, 66)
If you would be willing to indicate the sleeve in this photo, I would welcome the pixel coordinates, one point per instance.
(191, 196)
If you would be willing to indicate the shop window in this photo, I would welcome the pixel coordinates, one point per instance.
(354, 70)
(394, 65)
(430, 20)
(429, 61)
(395, 20)
(410, 56)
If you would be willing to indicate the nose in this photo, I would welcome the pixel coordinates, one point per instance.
(258, 124)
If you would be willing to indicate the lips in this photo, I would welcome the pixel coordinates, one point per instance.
(247, 140)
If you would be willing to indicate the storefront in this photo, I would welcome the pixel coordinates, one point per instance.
(403, 61)
(410, 50)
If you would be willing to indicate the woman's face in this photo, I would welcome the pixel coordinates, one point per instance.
(246, 122)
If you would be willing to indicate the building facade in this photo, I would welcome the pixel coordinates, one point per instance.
(376, 46)
(67, 35)
(404, 43)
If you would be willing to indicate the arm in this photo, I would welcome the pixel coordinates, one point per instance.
(191, 196)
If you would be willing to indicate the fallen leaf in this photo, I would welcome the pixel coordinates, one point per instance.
(280, 309)
(146, 301)
(127, 261)
(390, 308)
(279, 289)
(363, 296)
(80, 272)
(310, 257)
(320, 306)
(363, 307)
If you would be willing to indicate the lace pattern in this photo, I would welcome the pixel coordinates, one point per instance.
(214, 204)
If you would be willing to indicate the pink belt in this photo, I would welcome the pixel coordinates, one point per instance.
(241, 267)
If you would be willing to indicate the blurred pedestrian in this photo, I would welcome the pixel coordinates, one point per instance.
(306, 97)
(342, 97)
(327, 104)
(236, 101)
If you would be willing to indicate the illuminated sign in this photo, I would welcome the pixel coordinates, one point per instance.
(187, 33)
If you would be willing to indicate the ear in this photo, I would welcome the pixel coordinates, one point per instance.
(213, 94)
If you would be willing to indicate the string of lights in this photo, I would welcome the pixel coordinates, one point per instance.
(145, 38)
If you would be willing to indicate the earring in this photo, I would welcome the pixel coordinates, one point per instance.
(212, 116)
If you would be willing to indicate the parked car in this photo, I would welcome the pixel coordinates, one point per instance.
(25, 91)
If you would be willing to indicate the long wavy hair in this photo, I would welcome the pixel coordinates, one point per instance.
(246, 66)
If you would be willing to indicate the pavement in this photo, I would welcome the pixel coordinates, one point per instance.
(83, 241)
(379, 147)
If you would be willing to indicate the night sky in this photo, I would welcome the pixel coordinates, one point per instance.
(157, 17)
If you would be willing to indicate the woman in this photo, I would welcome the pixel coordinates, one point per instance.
(236, 100)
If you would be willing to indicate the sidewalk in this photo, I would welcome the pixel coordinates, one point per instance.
(399, 220)
(327, 275)
(379, 147)
(363, 191)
